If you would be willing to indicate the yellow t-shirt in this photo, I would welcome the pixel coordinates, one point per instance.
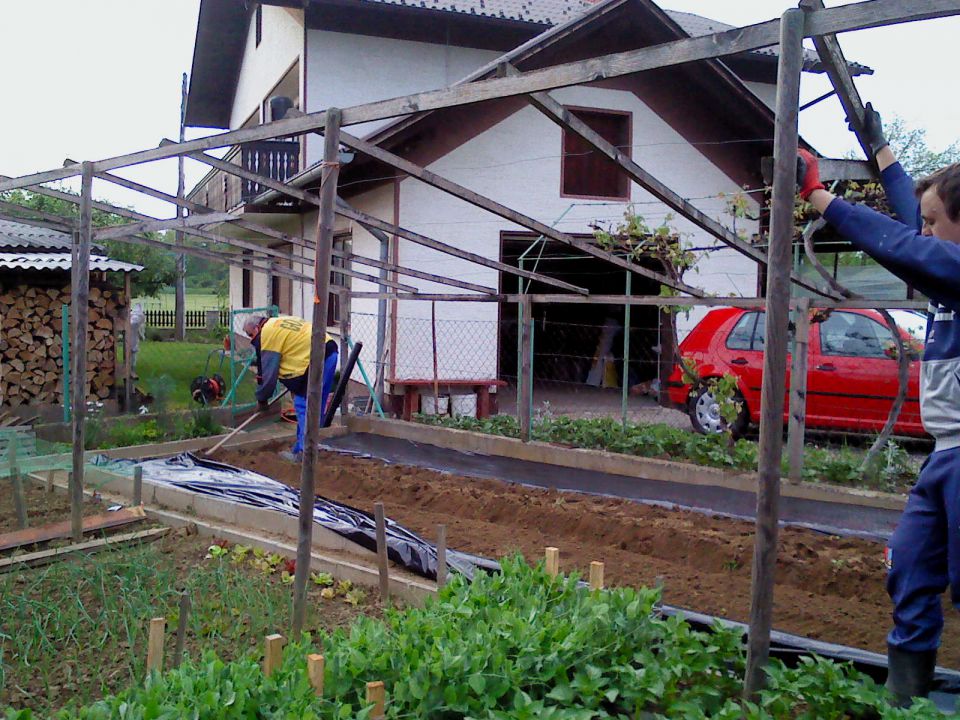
(290, 337)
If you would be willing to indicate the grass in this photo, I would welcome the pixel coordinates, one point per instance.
(76, 630)
(196, 300)
(166, 370)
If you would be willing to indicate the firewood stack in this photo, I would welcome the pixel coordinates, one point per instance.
(31, 352)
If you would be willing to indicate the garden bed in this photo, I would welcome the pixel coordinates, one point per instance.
(829, 588)
(76, 630)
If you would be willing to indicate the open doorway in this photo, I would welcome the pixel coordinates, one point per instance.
(579, 344)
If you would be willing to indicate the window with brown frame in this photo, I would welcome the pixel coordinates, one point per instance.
(586, 172)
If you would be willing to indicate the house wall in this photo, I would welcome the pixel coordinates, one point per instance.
(344, 70)
(765, 91)
(263, 67)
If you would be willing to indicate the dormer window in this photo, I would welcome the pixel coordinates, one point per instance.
(258, 23)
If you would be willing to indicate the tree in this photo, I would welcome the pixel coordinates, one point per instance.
(910, 146)
(159, 268)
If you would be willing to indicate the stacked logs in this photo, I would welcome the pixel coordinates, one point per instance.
(31, 352)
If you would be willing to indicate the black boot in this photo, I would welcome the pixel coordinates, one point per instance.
(909, 674)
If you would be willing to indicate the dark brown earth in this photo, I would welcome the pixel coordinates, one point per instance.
(828, 588)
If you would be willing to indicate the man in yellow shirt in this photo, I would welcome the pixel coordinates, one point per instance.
(283, 354)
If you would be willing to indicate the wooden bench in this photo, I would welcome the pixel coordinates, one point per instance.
(411, 388)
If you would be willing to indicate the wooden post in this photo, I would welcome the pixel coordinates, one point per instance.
(433, 338)
(180, 282)
(49, 481)
(552, 557)
(775, 355)
(345, 330)
(798, 389)
(625, 381)
(182, 627)
(525, 400)
(155, 645)
(382, 551)
(127, 342)
(80, 302)
(138, 485)
(596, 575)
(315, 669)
(19, 500)
(272, 653)
(441, 556)
(321, 285)
(377, 696)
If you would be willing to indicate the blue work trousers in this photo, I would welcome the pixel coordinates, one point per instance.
(300, 401)
(924, 555)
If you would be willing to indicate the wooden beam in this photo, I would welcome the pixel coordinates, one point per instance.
(485, 203)
(321, 284)
(835, 64)
(40, 219)
(420, 274)
(777, 319)
(114, 231)
(567, 120)
(57, 530)
(846, 18)
(830, 169)
(369, 220)
(524, 372)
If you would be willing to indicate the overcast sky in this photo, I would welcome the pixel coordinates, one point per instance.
(92, 79)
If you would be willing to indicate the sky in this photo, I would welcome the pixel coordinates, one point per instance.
(93, 79)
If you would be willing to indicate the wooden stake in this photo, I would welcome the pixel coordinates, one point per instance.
(775, 351)
(19, 501)
(321, 286)
(49, 481)
(552, 556)
(127, 343)
(798, 389)
(436, 378)
(138, 485)
(382, 551)
(596, 575)
(155, 645)
(182, 627)
(272, 653)
(441, 556)
(377, 696)
(525, 399)
(315, 668)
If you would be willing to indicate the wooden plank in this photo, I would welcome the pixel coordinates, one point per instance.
(45, 557)
(158, 627)
(382, 565)
(321, 284)
(57, 530)
(39, 217)
(775, 351)
(567, 120)
(420, 274)
(798, 389)
(80, 302)
(485, 203)
(272, 653)
(855, 16)
(315, 669)
(115, 231)
(368, 220)
(835, 64)
(524, 380)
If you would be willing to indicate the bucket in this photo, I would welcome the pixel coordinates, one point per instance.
(464, 405)
(428, 404)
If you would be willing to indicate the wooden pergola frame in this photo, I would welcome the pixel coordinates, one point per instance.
(811, 20)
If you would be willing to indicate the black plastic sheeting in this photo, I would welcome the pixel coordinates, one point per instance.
(206, 477)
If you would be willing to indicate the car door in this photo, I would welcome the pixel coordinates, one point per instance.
(852, 379)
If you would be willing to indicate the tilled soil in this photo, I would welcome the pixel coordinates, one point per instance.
(828, 588)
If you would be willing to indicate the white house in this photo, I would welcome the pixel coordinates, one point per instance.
(701, 128)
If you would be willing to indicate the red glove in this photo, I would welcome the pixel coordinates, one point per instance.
(808, 174)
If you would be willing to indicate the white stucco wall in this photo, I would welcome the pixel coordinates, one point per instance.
(263, 67)
(765, 91)
(344, 70)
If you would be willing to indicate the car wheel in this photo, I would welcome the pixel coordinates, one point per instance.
(704, 412)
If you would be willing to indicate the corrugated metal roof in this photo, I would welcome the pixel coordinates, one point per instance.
(60, 261)
(541, 12)
(19, 235)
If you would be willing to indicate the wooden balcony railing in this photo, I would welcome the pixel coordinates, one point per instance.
(276, 159)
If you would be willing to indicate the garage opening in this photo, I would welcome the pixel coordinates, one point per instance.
(580, 346)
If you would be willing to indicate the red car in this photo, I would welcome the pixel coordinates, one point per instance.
(851, 382)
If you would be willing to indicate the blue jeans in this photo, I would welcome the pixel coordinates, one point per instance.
(925, 555)
(300, 401)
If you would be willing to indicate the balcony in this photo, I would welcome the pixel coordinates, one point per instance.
(276, 159)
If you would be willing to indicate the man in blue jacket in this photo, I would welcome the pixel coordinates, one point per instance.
(922, 247)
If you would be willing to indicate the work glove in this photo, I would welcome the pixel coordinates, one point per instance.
(872, 129)
(808, 174)
(263, 406)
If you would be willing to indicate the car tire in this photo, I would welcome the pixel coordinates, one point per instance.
(704, 412)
